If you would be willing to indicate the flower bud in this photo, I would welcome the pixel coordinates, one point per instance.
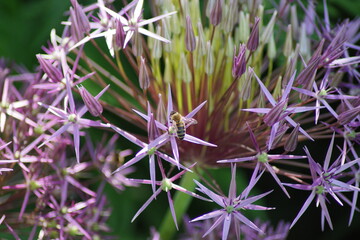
(347, 116)
(243, 29)
(253, 42)
(304, 42)
(190, 41)
(209, 65)
(269, 29)
(144, 79)
(119, 35)
(278, 136)
(307, 75)
(92, 104)
(288, 42)
(294, 22)
(201, 39)
(79, 22)
(216, 13)
(230, 16)
(157, 49)
(271, 49)
(276, 113)
(52, 72)
(246, 85)
(292, 140)
(239, 62)
(184, 72)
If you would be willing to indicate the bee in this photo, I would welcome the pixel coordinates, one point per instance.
(180, 123)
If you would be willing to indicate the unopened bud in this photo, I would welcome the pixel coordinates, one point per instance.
(92, 104)
(239, 62)
(79, 22)
(269, 29)
(292, 140)
(244, 29)
(184, 72)
(276, 113)
(347, 116)
(294, 22)
(190, 40)
(271, 50)
(144, 79)
(246, 85)
(119, 35)
(209, 65)
(52, 72)
(253, 42)
(288, 42)
(216, 13)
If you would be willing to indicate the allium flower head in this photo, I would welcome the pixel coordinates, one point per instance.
(325, 181)
(232, 205)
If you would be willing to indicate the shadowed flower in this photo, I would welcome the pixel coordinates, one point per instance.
(325, 180)
(232, 205)
(166, 184)
(262, 158)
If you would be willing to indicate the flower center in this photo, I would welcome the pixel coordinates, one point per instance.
(319, 189)
(230, 209)
(151, 151)
(166, 184)
(263, 158)
(72, 118)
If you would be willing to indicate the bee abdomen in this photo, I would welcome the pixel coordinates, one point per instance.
(180, 131)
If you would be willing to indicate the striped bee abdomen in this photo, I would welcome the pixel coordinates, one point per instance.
(180, 130)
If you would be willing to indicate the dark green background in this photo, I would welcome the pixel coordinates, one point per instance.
(25, 26)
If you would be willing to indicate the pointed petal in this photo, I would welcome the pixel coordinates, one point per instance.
(172, 209)
(154, 19)
(215, 197)
(152, 172)
(328, 153)
(264, 89)
(153, 35)
(193, 112)
(232, 188)
(76, 133)
(303, 208)
(226, 226)
(325, 211)
(153, 196)
(196, 140)
(57, 133)
(243, 219)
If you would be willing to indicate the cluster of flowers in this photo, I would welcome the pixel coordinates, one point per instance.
(247, 102)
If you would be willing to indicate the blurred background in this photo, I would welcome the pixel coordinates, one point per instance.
(25, 27)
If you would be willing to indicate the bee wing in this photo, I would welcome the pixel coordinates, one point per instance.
(189, 121)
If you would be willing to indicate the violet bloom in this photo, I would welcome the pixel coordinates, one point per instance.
(166, 184)
(232, 206)
(325, 180)
(262, 158)
(280, 110)
(322, 94)
(72, 119)
(132, 25)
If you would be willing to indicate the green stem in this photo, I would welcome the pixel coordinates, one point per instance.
(181, 204)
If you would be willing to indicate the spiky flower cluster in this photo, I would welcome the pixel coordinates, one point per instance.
(229, 82)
